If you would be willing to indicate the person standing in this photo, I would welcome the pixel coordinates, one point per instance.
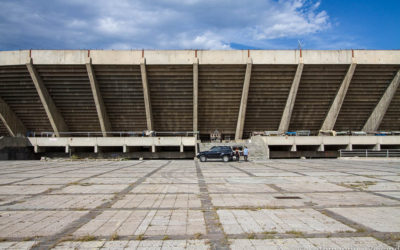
(237, 154)
(245, 153)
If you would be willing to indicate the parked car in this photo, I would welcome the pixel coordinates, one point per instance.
(224, 153)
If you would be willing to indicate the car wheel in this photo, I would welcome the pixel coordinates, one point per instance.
(225, 158)
(203, 158)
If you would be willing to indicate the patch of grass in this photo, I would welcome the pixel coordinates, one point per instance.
(73, 183)
(270, 232)
(28, 239)
(166, 237)
(395, 237)
(140, 237)
(251, 236)
(87, 238)
(361, 230)
(197, 236)
(296, 233)
(75, 157)
(114, 236)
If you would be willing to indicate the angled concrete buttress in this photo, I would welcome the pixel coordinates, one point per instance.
(379, 112)
(11, 121)
(330, 120)
(287, 112)
(105, 124)
(243, 102)
(195, 94)
(56, 120)
(146, 95)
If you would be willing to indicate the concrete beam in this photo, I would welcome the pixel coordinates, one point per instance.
(379, 112)
(56, 119)
(287, 112)
(330, 119)
(105, 124)
(243, 102)
(11, 121)
(146, 94)
(185, 57)
(195, 94)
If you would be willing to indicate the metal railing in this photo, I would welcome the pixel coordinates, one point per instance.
(114, 134)
(369, 153)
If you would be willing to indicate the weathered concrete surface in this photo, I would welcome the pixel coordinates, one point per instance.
(243, 102)
(379, 112)
(10, 120)
(105, 124)
(291, 99)
(187, 205)
(329, 122)
(56, 119)
(146, 95)
(159, 57)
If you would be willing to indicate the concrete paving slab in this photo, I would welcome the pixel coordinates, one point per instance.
(279, 220)
(149, 201)
(26, 189)
(239, 188)
(91, 189)
(383, 219)
(15, 245)
(256, 200)
(349, 199)
(310, 243)
(35, 223)
(166, 188)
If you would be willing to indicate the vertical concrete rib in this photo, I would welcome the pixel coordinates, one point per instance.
(243, 102)
(11, 121)
(195, 94)
(379, 112)
(146, 94)
(105, 124)
(56, 120)
(287, 112)
(330, 119)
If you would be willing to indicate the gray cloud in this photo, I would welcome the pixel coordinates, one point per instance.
(158, 24)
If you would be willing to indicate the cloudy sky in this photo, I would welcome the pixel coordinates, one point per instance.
(199, 24)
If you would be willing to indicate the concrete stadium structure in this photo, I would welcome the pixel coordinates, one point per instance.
(237, 92)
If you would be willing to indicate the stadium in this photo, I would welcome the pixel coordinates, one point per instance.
(166, 103)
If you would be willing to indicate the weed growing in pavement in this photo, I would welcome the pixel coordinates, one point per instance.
(251, 236)
(114, 236)
(87, 238)
(140, 237)
(197, 236)
(166, 237)
(296, 233)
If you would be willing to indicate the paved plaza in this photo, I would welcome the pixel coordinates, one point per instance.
(186, 204)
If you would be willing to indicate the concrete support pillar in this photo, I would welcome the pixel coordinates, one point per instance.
(243, 102)
(56, 120)
(349, 146)
(11, 121)
(181, 148)
(268, 152)
(125, 149)
(287, 112)
(105, 124)
(293, 148)
(377, 146)
(146, 95)
(195, 94)
(321, 148)
(67, 149)
(96, 149)
(375, 119)
(153, 148)
(38, 149)
(330, 119)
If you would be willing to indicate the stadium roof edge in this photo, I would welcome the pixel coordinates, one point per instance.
(185, 57)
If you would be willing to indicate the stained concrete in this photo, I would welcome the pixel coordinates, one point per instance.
(192, 205)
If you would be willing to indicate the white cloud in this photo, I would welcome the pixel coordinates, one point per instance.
(163, 24)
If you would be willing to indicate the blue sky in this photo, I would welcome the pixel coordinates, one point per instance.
(199, 24)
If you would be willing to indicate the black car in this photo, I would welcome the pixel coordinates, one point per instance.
(217, 152)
